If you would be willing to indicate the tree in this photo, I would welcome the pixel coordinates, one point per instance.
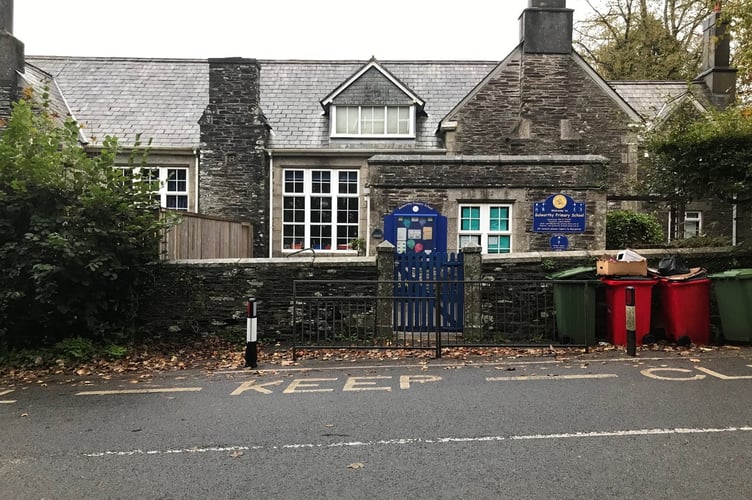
(693, 158)
(76, 235)
(643, 39)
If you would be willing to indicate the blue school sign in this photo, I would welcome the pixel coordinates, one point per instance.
(559, 214)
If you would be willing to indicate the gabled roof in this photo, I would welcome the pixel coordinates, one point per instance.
(372, 64)
(487, 78)
(44, 87)
(650, 98)
(515, 55)
(161, 99)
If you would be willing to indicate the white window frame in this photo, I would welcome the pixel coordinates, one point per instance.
(163, 192)
(336, 242)
(694, 218)
(411, 122)
(484, 232)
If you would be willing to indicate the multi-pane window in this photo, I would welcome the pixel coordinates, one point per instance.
(692, 224)
(320, 209)
(486, 225)
(170, 185)
(176, 194)
(372, 121)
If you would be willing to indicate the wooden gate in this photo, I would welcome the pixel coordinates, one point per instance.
(420, 283)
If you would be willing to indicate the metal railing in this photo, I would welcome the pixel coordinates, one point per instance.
(500, 313)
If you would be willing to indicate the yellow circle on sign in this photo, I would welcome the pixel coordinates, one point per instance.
(560, 201)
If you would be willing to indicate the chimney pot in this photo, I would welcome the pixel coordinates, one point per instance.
(6, 16)
(550, 4)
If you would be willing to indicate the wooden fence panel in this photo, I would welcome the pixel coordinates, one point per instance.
(205, 237)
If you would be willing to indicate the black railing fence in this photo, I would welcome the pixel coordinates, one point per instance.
(498, 313)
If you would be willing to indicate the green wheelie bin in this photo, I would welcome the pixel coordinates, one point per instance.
(733, 294)
(574, 301)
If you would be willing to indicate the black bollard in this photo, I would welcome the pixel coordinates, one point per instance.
(251, 352)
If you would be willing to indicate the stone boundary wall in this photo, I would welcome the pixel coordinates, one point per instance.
(189, 297)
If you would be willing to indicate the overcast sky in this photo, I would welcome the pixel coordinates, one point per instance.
(273, 29)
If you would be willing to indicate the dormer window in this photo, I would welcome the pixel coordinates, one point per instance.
(372, 104)
(373, 121)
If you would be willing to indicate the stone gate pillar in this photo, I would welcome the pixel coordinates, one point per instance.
(472, 303)
(385, 302)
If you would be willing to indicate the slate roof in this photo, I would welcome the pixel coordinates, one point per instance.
(291, 92)
(164, 98)
(159, 98)
(649, 98)
(42, 83)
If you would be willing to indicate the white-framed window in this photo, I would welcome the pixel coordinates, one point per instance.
(692, 224)
(320, 209)
(170, 184)
(487, 225)
(373, 121)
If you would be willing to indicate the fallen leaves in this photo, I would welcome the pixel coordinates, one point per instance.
(213, 353)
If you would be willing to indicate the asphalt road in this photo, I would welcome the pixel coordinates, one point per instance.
(673, 427)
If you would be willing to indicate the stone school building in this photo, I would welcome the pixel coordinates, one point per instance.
(527, 153)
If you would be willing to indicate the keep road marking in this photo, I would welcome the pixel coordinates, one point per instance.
(331, 384)
(553, 377)
(139, 391)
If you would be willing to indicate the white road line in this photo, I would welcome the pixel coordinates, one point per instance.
(444, 440)
(553, 377)
(139, 391)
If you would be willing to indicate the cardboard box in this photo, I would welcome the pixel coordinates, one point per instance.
(605, 266)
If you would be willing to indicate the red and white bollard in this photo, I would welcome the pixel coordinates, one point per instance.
(251, 353)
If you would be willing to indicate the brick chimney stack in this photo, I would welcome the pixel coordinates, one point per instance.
(546, 27)
(11, 59)
(716, 69)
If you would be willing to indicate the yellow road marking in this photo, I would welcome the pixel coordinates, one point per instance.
(251, 385)
(7, 401)
(552, 377)
(139, 391)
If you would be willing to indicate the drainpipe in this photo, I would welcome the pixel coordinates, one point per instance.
(271, 203)
(196, 179)
(367, 236)
(733, 223)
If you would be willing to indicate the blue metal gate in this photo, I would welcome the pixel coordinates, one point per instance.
(422, 281)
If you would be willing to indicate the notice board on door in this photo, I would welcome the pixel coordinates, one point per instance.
(416, 228)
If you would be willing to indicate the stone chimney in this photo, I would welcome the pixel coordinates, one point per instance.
(11, 59)
(233, 168)
(716, 69)
(546, 27)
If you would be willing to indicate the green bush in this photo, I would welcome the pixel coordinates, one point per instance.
(76, 235)
(116, 351)
(627, 229)
(76, 349)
